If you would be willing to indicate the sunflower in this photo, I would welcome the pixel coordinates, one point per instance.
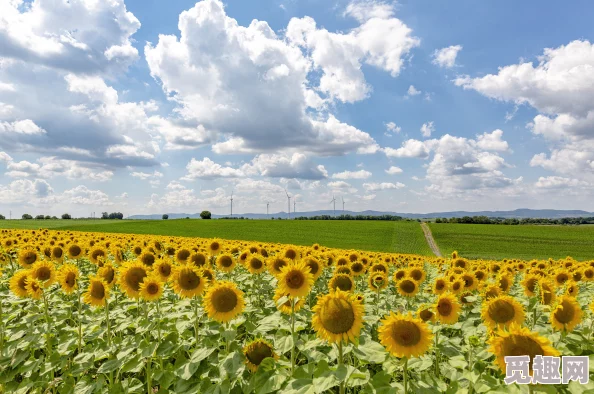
(182, 255)
(404, 335)
(67, 277)
(275, 264)
(208, 274)
(399, 274)
(407, 287)
(572, 289)
(418, 274)
(426, 313)
(188, 281)
(130, 276)
(286, 306)
(502, 311)
(295, 279)
(379, 267)
(147, 258)
(505, 282)
(97, 255)
(440, 286)
(491, 291)
(566, 315)
(151, 288)
(257, 351)
(27, 257)
(357, 268)
(547, 292)
(255, 264)
(199, 259)
(470, 282)
(18, 283)
(57, 254)
(530, 281)
(448, 308)
(225, 262)
(561, 276)
(377, 281)
(291, 253)
(314, 267)
(97, 292)
(108, 274)
(164, 269)
(34, 288)
(519, 341)
(214, 247)
(341, 281)
(343, 270)
(45, 272)
(338, 316)
(73, 251)
(223, 301)
(457, 285)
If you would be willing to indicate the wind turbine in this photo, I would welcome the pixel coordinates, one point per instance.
(289, 200)
(342, 205)
(232, 203)
(267, 204)
(334, 201)
(294, 204)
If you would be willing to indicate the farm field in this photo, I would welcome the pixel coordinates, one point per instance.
(382, 236)
(84, 312)
(523, 242)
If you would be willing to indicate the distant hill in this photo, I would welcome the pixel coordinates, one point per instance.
(517, 213)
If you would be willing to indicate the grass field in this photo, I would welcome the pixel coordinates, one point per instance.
(383, 236)
(525, 242)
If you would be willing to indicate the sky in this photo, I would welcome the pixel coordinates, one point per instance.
(154, 106)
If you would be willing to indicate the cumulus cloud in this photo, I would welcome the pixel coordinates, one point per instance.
(391, 127)
(339, 185)
(296, 165)
(146, 175)
(208, 169)
(51, 167)
(410, 148)
(412, 91)
(361, 174)
(446, 57)
(24, 191)
(372, 187)
(557, 182)
(427, 129)
(394, 170)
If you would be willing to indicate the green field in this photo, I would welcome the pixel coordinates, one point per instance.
(524, 242)
(383, 236)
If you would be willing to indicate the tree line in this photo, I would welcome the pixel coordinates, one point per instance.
(514, 221)
(353, 217)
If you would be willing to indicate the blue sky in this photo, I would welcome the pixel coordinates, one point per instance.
(411, 106)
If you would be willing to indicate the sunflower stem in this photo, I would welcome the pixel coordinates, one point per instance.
(79, 321)
(196, 320)
(47, 335)
(292, 335)
(340, 361)
(148, 376)
(534, 317)
(1, 329)
(437, 351)
(405, 376)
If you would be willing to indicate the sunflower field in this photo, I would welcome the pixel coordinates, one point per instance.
(117, 313)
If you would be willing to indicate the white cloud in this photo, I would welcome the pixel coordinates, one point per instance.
(410, 148)
(557, 182)
(51, 167)
(391, 126)
(26, 127)
(394, 170)
(146, 175)
(296, 165)
(427, 129)
(492, 141)
(412, 91)
(339, 185)
(371, 187)
(368, 9)
(446, 57)
(361, 174)
(208, 169)
(24, 191)
(82, 195)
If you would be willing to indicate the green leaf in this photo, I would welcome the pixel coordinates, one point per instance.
(370, 351)
(420, 364)
(110, 366)
(284, 344)
(299, 386)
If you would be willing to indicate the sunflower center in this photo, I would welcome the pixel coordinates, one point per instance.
(426, 315)
(337, 316)
(439, 285)
(97, 253)
(224, 300)
(30, 257)
(199, 259)
(97, 290)
(108, 275)
(256, 263)
(501, 311)
(562, 278)
(214, 246)
(165, 269)
(399, 274)
(188, 280)
(152, 288)
(74, 250)
(295, 279)
(520, 345)
(343, 282)
(226, 261)
(444, 307)
(70, 279)
(137, 250)
(406, 333)
(357, 267)
(313, 267)
(416, 274)
(468, 280)
(258, 352)
(134, 277)
(531, 284)
(183, 255)
(565, 313)
(23, 283)
(291, 254)
(57, 252)
(148, 259)
(407, 286)
(44, 273)
(480, 275)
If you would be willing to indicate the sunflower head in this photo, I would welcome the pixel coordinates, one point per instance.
(407, 287)
(440, 286)
(519, 341)
(399, 274)
(164, 269)
(34, 288)
(377, 281)
(566, 315)
(18, 283)
(225, 262)
(182, 255)
(45, 272)
(426, 313)
(357, 268)
(130, 276)
(341, 281)
(547, 292)
(151, 288)
(417, 274)
(188, 281)
(223, 301)
(214, 247)
(97, 292)
(502, 311)
(257, 351)
(68, 277)
(342, 269)
(530, 284)
(295, 279)
(27, 257)
(74, 251)
(275, 264)
(147, 258)
(404, 335)
(57, 254)
(338, 316)
(286, 307)
(561, 276)
(108, 274)
(314, 266)
(291, 253)
(379, 267)
(447, 308)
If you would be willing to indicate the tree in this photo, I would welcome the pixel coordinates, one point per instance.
(39, 217)
(47, 217)
(66, 216)
(2, 217)
(165, 217)
(104, 215)
(205, 215)
(26, 216)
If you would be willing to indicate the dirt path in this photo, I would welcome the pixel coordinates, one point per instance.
(430, 240)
